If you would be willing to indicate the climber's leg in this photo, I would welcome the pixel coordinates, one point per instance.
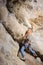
(33, 52)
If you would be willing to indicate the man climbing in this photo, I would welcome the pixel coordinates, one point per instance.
(24, 43)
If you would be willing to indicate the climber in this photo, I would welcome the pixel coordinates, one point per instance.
(24, 43)
(27, 34)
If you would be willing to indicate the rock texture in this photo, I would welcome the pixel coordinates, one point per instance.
(25, 14)
(10, 22)
(8, 49)
(31, 14)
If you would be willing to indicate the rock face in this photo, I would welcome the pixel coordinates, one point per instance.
(8, 49)
(31, 12)
(26, 14)
(10, 22)
(6, 40)
(37, 35)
